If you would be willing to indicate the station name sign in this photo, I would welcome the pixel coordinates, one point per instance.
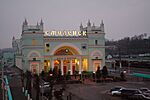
(65, 33)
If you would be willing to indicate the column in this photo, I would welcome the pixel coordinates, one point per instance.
(52, 64)
(80, 65)
(71, 67)
(62, 71)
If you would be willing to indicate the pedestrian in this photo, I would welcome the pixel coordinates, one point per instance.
(122, 75)
(22, 80)
(29, 88)
(37, 86)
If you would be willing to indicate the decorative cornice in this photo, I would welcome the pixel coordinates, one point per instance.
(65, 56)
(32, 46)
(68, 39)
(97, 46)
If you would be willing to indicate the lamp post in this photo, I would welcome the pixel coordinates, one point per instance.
(120, 65)
(129, 66)
(94, 76)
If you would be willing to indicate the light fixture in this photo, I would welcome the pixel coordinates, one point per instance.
(67, 50)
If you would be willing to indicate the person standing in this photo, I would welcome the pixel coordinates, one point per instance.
(37, 86)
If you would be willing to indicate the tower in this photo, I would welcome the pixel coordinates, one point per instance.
(41, 25)
(81, 27)
(96, 45)
(88, 25)
(32, 39)
(102, 26)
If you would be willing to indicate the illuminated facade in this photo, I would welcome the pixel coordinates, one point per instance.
(72, 51)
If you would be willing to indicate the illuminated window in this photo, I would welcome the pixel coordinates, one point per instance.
(34, 42)
(46, 65)
(85, 64)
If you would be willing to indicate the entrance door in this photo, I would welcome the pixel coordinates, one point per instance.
(34, 67)
(96, 64)
(56, 69)
(73, 70)
(65, 70)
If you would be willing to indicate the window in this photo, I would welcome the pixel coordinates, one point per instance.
(34, 42)
(47, 44)
(84, 46)
(96, 57)
(34, 59)
(96, 42)
(47, 50)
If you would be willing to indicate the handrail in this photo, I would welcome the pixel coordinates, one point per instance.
(8, 89)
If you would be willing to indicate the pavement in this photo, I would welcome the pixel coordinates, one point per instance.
(100, 91)
(88, 90)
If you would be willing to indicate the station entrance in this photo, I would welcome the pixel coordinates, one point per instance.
(68, 60)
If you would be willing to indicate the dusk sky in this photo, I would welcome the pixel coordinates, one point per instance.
(122, 18)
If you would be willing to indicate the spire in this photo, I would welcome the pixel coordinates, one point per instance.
(93, 25)
(41, 23)
(102, 22)
(102, 26)
(13, 38)
(89, 23)
(37, 24)
(25, 22)
(81, 26)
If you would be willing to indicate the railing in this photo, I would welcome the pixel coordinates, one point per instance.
(8, 89)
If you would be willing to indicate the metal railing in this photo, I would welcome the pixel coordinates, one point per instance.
(8, 89)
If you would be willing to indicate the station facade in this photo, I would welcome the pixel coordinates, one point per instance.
(68, 50)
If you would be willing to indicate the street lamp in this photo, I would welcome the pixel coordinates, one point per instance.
(94, 76)
(120, 65)
(129, 66)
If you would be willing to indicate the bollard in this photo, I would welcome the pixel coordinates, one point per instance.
(26, 92)
(67, 98)
(70, 96)
(28, 97)
(22, 89)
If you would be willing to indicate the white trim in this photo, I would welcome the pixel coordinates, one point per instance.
(66, 44)
(96, 51)
(33, 51)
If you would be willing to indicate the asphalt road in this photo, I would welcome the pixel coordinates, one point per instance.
(100, 91)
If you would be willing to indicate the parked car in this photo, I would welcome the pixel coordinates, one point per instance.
(146, 95)
(130, 93)
(144, 90)
(44, 87)
(137, 96)
(116, 90)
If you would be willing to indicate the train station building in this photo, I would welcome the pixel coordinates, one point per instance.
(68, 50)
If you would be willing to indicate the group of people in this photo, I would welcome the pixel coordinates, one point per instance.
(100, 73)
(28, 80)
